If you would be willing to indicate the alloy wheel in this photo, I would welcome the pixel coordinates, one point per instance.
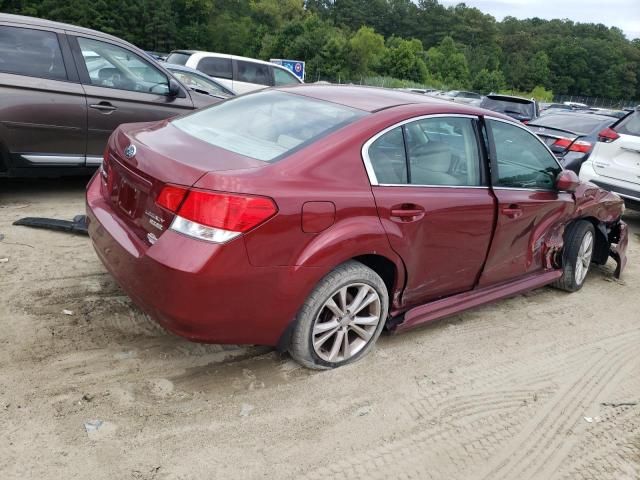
(346, 322)
(584, 257)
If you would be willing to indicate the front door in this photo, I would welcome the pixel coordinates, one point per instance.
(121, 87)
(529, 206)
(434, 203)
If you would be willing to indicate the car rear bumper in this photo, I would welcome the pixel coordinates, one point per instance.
(199, 290)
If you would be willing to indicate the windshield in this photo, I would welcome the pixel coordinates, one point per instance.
(573, 122)
(266, 125)
(506, 106)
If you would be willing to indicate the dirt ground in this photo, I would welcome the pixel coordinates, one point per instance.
(542, 386)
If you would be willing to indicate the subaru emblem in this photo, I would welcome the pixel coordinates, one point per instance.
(130, 151)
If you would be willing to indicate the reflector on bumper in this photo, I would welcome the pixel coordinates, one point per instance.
(202, 232)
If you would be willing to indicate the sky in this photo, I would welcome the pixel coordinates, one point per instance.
(624, 14)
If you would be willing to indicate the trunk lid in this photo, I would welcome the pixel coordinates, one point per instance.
(550, 137)
(161, 155)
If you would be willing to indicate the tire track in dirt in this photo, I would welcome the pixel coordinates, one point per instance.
(536, 446)
(423, 445)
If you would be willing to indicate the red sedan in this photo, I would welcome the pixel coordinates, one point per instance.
(310, 217)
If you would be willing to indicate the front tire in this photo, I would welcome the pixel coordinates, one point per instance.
(342, 318)
(579, 244)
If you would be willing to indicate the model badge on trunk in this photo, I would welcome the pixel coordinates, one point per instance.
(130, 151)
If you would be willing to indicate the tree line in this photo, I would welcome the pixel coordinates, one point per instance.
(422, 42)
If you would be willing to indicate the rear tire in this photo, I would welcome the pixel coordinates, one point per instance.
(342, 318)
(579, 245)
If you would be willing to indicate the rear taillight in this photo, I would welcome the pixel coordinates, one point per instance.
(214, 216)
(581, 146)
(608, 135)
(562, 143)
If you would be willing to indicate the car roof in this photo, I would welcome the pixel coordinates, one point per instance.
(373, 99)
(225, 55)
(40, 22)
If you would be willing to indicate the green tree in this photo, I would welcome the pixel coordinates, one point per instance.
(448, 65)
(488, 81)
(366, 49)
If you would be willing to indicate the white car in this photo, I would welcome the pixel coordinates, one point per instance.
(614, 163)
(240, 74)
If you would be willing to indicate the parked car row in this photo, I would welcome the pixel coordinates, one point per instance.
(240, 74)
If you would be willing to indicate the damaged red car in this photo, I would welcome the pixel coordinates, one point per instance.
(312, 217)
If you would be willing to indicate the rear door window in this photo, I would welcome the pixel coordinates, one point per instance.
(443, 151)
(35, 53)
(438, 151)
(388, 158)
(257, 73)
(216, 67)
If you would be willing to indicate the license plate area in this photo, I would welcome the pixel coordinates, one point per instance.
(128, 198)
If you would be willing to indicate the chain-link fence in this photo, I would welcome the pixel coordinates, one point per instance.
(598, 102)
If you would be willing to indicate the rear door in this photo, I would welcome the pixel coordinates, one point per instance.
(121, 87)
(434, 203)
(43, 114)
(620, 159)
(529, 206)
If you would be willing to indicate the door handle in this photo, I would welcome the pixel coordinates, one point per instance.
(104, 107)
(601, 164)
(512, 211)
(407, 213)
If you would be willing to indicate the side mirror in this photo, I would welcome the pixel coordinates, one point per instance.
(567, 181)
(174, 88)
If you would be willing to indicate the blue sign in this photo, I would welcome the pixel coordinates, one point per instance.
(294, 66)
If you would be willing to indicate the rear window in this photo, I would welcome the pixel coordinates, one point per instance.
(178, 58)
(630, 125)
(35, 53)
(266, 125)
(506, 106)
(580, 124)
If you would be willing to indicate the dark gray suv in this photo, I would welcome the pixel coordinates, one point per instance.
(64, 89)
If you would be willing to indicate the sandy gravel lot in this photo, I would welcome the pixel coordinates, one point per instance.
(500, 392)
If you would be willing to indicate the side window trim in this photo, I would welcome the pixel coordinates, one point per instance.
(67, 57)
(373, 179)
(493, 155)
